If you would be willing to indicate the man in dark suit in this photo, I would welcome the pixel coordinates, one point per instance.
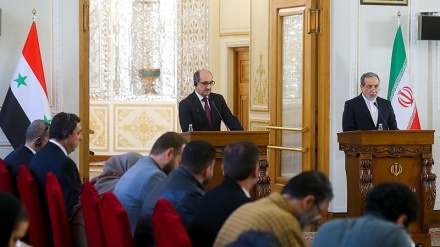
(192, 109)
(65, 133)
(241, 174)
(37, 135)
(183, 188)
(368, 111)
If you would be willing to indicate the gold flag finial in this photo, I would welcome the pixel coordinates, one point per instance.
(34, 12)
(398, 13)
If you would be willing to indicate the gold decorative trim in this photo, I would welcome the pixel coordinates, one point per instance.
(260, 88)
(396, 169)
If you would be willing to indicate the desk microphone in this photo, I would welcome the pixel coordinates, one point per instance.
(215, 107)
(385, 122)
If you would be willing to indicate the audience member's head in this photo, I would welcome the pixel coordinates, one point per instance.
(167, 151)
(113, 169)
(256, 239)
(308, 194)
(240, 161)
(394, 202)
(66, 129)
(37, 134)
(14, 220)
(198, 158)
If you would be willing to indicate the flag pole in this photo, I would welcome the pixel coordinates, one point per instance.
(34, 12)
(398, 17)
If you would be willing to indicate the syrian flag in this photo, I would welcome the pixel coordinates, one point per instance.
(401, 90)
(26, 99)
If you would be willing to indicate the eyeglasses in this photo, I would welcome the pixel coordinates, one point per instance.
(206, 83)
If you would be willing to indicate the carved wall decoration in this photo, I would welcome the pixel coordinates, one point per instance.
(138, 126)
(99, 121)
(259, 125)
(260, 87)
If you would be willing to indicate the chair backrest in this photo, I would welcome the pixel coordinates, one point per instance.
(57, 212)
(115, 221)
(92, 217)
(5, 178)
(27, 189)
(167, 222)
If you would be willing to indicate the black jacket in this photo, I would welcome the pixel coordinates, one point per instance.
(191, 112)
(215, 207)
(357, 116)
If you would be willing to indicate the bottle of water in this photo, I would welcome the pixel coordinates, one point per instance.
(190, 128)
(380, 127)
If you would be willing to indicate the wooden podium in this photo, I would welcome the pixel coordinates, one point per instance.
(220, 139)
(405, 156)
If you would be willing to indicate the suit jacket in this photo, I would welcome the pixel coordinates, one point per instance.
(52, 159)
(191, 112)
(364, 231)
(357, 116)
(20, 156)
(182, 190)
(216, 206)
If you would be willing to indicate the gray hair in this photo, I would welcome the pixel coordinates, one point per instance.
(368, 75)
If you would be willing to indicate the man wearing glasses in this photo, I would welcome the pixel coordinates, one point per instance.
(205, 110)
(368, 111)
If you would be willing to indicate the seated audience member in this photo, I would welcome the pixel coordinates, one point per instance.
(14, 220)
(255, 239)
(114, 169)
(389, 209)
(65, 133)
(183, 188)
(37, 135)
(241, 174)
(284, 215)
(136, 184)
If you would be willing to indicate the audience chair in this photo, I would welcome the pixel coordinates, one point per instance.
(27, 189)
(92, 217)
(167, 222)
(115, 221)
(57, 212)
(5, 178)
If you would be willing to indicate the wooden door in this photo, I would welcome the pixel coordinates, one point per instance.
(296, 102)
(241, 106)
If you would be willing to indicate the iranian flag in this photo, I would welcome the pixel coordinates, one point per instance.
(401, 90)
(26, 99)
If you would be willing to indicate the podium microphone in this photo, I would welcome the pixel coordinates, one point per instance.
(215, 107)
(383, 119)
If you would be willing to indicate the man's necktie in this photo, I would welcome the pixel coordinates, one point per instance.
(207, 110)
(373, 111)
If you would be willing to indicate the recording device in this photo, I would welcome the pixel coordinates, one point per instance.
(65, 132)
(383, 119)
(215, 107)
(40, 139)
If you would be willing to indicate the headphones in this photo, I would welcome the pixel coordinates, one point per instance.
(40, 139)
(65, 132)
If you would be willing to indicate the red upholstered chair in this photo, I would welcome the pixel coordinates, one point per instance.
(27, 189)
(166, 222)
(115, 221)
(5, 178)
(57, 212)
(92, 217)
